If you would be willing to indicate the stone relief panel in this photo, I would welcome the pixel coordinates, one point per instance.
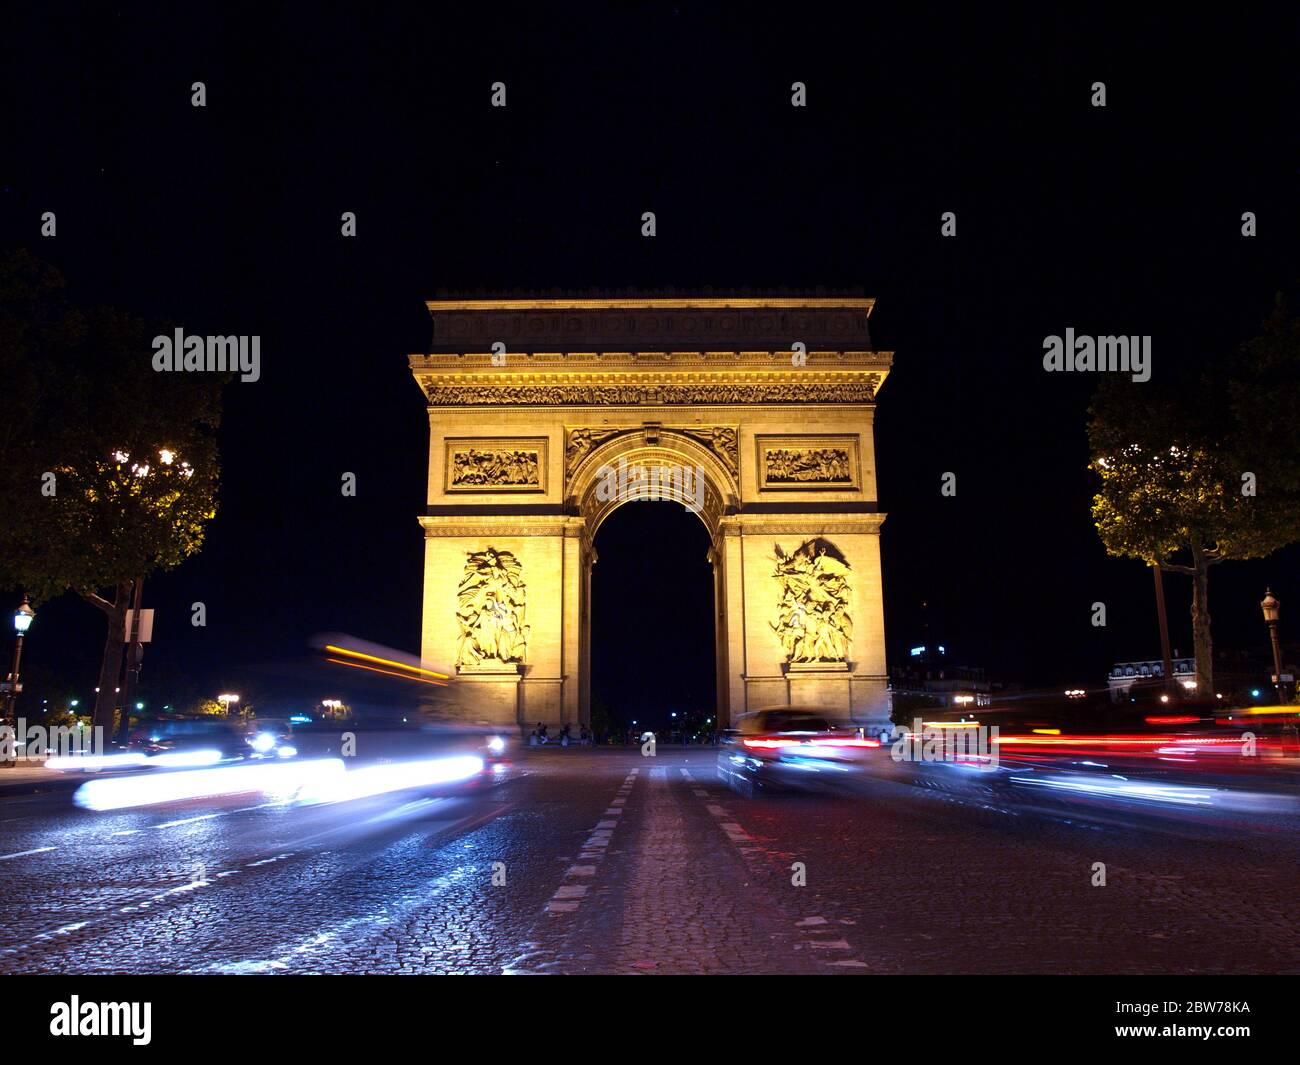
(496, 465)
(813, 621)
(722, 440)
(803, 463)
(492, 610)
(581, 442)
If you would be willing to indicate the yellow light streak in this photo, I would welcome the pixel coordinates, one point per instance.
(382, 661)
(385, 672)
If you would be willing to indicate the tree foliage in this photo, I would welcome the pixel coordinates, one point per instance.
(1205, 471)
(108, 469)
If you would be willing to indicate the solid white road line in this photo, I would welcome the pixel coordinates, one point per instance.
(23, 854)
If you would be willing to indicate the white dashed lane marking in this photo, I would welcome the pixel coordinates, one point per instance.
(567, 897)
(811, 930)
(187, 821)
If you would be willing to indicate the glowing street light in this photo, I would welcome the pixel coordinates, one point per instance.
(226, 699)
(23, 617)
(1272, 609)
(22, 621)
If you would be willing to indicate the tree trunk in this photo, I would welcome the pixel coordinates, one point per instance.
(111, 668)
(131, 677)
(1201, 638)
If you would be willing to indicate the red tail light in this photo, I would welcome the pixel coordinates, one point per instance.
(830, 741)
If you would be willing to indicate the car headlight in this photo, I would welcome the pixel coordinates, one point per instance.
(263, 742)
(496, 745)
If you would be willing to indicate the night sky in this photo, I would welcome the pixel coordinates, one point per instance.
(225, 220)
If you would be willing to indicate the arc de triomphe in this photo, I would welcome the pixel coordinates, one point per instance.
(542, 415)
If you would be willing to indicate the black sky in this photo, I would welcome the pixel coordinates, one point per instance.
(226, 220)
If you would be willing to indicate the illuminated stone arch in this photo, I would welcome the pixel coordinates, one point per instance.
(517, 456)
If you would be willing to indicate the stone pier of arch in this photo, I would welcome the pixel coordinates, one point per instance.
(532, 401)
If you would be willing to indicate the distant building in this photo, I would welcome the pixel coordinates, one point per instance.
(1237, 674)
(926, 672)
(1123, 675)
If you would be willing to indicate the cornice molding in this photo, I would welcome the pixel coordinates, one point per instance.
(505, 525)
(804, 525)
(622, 303)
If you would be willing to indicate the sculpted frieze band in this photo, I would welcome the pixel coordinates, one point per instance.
(446, 395)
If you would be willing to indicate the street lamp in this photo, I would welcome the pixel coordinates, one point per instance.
(1272, 608)
(226, 699)
(22, 621)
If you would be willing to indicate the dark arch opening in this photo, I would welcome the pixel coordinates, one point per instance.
(652, 632)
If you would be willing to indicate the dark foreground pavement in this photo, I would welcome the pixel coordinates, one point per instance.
(610, 862)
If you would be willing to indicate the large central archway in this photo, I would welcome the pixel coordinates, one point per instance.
(650, 463)
(540, 414)
(652, 631)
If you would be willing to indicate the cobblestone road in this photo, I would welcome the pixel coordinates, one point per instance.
(583, 861)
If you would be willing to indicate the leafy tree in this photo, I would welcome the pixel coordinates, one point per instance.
(600, 716)
(108, 469)
(906, 706)
(1205, 472)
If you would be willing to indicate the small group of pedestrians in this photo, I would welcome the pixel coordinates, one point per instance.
(540, 736)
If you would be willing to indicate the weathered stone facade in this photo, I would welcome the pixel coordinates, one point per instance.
(529, 400)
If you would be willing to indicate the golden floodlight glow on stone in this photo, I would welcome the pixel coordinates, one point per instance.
(532, 401)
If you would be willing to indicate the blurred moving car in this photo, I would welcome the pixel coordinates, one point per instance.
(790, 748)
(183, 742)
